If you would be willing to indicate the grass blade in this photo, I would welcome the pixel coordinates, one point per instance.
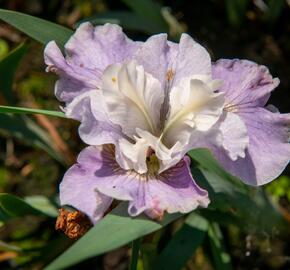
(21, 110)
(39, 29)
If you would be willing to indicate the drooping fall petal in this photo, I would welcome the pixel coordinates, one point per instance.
(247, 87)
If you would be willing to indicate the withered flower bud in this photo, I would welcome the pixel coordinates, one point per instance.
(74, 224)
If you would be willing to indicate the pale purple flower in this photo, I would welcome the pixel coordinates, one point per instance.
(142, 107)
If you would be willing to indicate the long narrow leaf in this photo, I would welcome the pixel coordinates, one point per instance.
(115, 230)
(8, 66)
(183, 244)
(39, 29)
(13, 206)
(222, 260)
(42, 204)
(20, 110)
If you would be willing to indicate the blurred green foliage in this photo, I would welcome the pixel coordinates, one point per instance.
(4, 48)
(280, 187)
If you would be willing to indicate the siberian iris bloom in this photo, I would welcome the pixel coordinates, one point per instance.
(143, 105)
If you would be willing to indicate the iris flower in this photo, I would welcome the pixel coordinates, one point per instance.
(143, 105)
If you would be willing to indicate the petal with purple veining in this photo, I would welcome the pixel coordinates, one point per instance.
(92, 183)
(247, 87)
(88, 53)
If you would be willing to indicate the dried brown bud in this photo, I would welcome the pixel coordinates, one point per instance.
(73, 224)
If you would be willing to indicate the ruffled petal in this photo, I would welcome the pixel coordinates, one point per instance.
(133, 155)
(268, 152)
(230, 134)
(74, 80)
(92, 183)
(78, 187)
(100, 46)
(133, 98)
(95, 127)
(245, 83)
(88, 52)
(172, 191)
(234, 136)
(195, 103)
(192, 59)
(156, 56)
(169, 62)
(195, 108)
(247, 87)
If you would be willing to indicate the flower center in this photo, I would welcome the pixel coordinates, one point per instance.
(152, 164)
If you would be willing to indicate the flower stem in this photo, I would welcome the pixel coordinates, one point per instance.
(135, 253)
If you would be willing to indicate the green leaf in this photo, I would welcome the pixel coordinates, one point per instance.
(251, 208)
(205, 159)
(222, 260)
(243, 205)
(25, 129)
(115, 230)
(39, 29)
(20, 110)
(135, 253)
(42, 204)
(149, 10)
(8, 67)
(13, 206)
(183, 244)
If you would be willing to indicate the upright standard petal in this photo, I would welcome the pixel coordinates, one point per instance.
(170, 62)
(247, 87)
(195, 108)
(156, 56)
(88, 52)
(133, 98)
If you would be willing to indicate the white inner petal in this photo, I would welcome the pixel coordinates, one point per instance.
(194, 107)
(133, 98)
(233, 135)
